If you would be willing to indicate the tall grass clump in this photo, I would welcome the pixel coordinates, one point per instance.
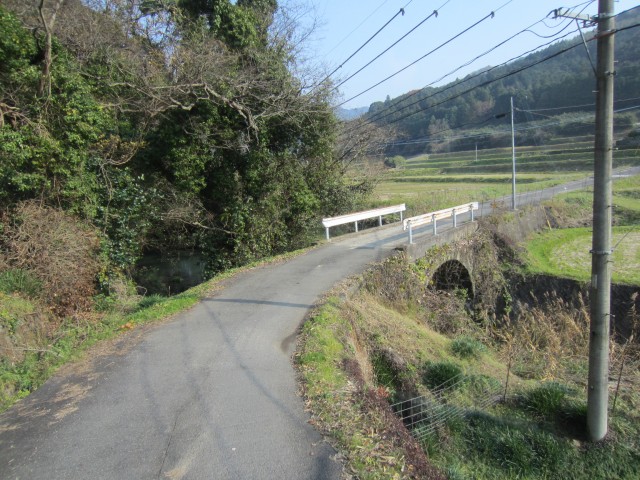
(439, 375)
(467, 347)
(514, 450)
(547, 400)
(21, 281)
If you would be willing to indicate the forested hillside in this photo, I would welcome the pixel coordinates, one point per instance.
(558, 79)
(155, 125)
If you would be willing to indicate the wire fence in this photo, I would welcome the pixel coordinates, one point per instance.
(426, 415)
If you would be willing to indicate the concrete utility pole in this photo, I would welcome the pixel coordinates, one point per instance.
(598, 386)
(513, 158)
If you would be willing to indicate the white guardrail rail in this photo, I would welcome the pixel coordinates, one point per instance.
(357, 216)
(433, 217)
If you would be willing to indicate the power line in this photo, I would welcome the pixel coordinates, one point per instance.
(574, 106)
(490, 15)
(359, 25)
(453, 85)
(495, 47)
(588, 118)
(433, 134)
(401, 11)
(377, 115)
(514, 72)
(434, 13)
(556, 37)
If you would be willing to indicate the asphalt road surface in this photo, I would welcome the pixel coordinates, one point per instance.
(210, 394)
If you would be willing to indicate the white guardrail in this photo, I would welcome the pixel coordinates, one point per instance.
(433, 217)
(357, 216)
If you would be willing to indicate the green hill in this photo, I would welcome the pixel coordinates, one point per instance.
(564, 80)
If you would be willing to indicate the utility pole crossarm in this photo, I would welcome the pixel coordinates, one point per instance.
(566, 13)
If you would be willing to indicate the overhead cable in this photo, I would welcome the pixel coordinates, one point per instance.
(490, 15)
(396, 110)
(400, 12)
(434, 13)
(533, 110)
(377, 117)
(587, 118)
(359, 25)
(555, 38)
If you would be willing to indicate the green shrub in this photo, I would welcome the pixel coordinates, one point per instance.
(440, 375)
(482, 385)
(467, 347)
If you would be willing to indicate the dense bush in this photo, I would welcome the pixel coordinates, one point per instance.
(59, 251)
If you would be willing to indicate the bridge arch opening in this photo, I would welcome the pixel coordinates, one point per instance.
(453, 275)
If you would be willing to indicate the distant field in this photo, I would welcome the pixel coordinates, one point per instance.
(430, 182)
(565, 252)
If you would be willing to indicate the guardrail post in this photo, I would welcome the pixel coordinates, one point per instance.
(472, 212)
(356, 224)
(327, 231)
(380, 220)
(455, 219)
(435, 228)
(401, 216)
(410, 234)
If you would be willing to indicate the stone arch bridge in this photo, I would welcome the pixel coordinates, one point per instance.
(459, 259)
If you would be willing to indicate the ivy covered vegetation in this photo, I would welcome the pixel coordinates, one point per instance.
(134, 126)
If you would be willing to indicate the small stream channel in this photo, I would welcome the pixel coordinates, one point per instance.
(169, 274)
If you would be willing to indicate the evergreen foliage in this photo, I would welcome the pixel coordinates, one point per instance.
(169, 124)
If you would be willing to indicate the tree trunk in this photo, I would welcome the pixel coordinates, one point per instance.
(44, 88)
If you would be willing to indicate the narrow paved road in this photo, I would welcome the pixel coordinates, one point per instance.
(209, 395)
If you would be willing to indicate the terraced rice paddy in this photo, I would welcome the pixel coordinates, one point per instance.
(430, 182)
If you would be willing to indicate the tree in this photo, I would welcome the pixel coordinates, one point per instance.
(177, 123)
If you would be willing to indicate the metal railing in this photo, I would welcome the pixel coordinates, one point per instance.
(433, 217)
(365, 215)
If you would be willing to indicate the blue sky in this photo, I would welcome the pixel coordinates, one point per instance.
(347, 24)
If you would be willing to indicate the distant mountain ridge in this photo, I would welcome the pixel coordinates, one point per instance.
(350, 113)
